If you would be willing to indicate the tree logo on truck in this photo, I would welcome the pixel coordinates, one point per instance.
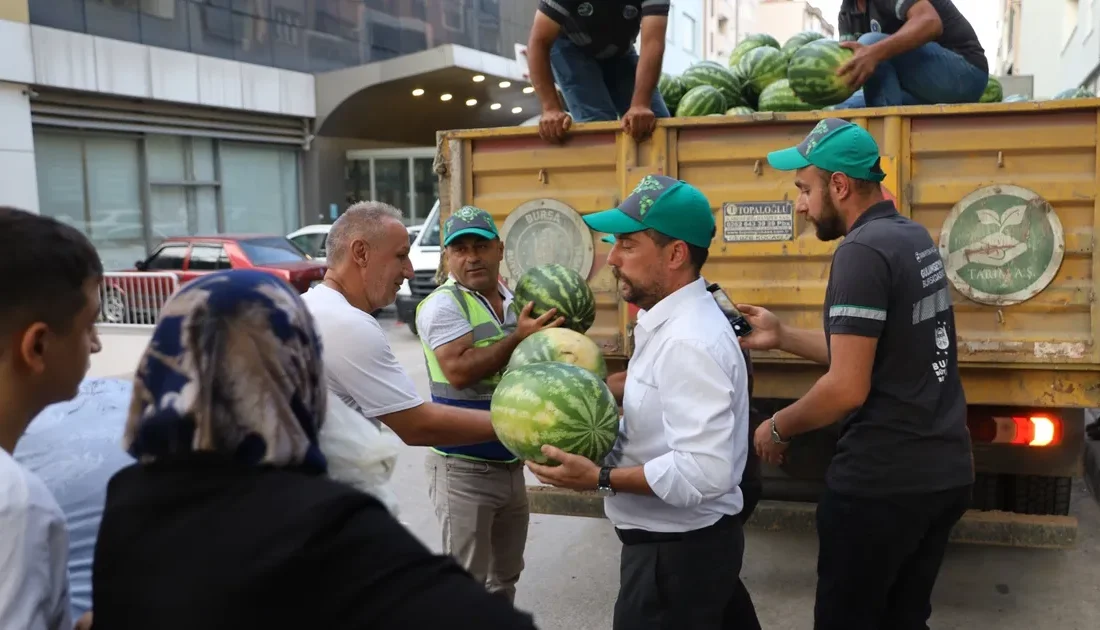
(1002, 245)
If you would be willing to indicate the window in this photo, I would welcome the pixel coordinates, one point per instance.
(270, 251)
(687, 32)
(182, 186)
(167, 258)
(259, 188)
(454, 15)
(404, 178)
(431, 236)
(208, 258)
(312, 244)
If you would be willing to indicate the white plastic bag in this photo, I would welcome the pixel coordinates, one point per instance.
(359, 453)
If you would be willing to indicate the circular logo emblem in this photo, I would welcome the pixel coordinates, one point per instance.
(630, 12)
(875, 26)
(585, 9)
(542, 232)
(1002, 245)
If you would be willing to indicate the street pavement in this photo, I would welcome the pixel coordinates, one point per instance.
(571, 575)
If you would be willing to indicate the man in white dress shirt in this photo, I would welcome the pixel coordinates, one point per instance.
(671, 483)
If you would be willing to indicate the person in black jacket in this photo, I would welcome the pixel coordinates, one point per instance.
(227, 519)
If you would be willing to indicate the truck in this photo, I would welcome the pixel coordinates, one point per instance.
(1008, 191)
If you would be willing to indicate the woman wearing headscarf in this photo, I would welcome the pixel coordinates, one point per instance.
(227, 520)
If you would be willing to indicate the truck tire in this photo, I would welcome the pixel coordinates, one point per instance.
(1033, 494)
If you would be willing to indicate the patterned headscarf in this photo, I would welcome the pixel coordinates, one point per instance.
(233, 366)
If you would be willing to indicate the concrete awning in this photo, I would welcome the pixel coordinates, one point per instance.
(377, 102)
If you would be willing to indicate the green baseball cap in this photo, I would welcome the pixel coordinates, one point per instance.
(469, 220)
(669, 206)
(834, 145)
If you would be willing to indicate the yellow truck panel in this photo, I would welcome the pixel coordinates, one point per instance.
(1022, 274)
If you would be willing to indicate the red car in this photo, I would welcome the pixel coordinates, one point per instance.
(137, 299)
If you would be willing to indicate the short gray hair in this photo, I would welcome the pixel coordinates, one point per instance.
(365, 219)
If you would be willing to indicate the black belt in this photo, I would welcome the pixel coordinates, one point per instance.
(642, 537)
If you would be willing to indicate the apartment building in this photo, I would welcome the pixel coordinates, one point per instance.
(1052, 40)
(782, 19)
(727, 23)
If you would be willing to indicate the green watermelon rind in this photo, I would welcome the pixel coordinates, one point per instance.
(713, 74)
(812, 73)
(778, 97)
(798, 40)
(761, 67)
(701, 100)
(553, 403)
(741, 110)
(553, 345)
(994, 92)
(672, 90)
(557, 286)
(751, 41)
(1072, 93)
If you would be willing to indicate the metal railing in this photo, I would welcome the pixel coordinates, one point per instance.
(134, 298)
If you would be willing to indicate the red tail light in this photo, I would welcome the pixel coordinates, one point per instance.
(1028, 429)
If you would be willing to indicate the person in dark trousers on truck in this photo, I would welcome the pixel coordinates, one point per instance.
(670, 484)
(903, 468)
(587, 46)
(910, 52)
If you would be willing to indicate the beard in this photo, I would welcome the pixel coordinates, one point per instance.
(829, 226)
(632, 292)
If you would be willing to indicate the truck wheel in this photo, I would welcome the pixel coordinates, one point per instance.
(412, 327)
(1033, 494)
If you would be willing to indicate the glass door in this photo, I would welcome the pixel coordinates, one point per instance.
(403, 178)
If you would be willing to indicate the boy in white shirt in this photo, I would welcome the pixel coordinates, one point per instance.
(49, 277)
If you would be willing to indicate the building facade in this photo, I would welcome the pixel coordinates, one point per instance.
(685, 37)
(727, 23)
(782, 19)
(1052, 40)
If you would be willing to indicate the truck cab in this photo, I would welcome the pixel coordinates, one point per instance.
(424, 254)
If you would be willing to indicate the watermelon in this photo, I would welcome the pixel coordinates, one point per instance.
(778, 97)
(1077, 92)
(557, 286)
(739, 111)
(798, 41)
(561, 345)
(672, 90)
(993, 92)
(1015, 98)
(812, 73)
(714, 75)
(554, 403)
(761, 67)
(751, 41)
(701, 100)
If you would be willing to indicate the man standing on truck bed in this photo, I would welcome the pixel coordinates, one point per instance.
(587, 46)
(468, 331)
(671, 482)
(910, 52)
(903, 468)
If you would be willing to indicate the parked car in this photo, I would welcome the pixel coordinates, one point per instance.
(137, 299)
(311, 239)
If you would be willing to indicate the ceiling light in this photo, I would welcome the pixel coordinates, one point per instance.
(495, 106)
(478, 78)
(470, 102)
(418, 92)
(516, 110)
(444, 97)
(505, 84)
(528, 89)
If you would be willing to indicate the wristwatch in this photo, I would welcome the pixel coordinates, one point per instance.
(778, 439)
(603, 485)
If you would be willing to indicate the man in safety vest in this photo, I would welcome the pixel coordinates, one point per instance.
(469, 329)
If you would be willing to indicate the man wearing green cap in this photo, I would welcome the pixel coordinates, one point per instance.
(670, 485)
(901, 475)
(468, 331)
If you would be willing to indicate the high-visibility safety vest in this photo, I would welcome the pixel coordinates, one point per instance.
(486, 331)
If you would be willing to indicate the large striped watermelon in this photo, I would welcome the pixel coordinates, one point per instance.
(812, 73)
(993, 93)
(740, 111)
(1015, 98)
(554, 403)
(557, 286)
(761, 67)
(799, 40)
(751, 41)
(701, 100)
(713, 74)
(1077, 92)
(778, 97)
(561, 345)
(672, 90)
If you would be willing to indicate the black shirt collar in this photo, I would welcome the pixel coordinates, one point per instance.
(880, 210)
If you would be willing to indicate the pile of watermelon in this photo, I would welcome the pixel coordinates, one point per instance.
(553, 390)
(762, 75)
